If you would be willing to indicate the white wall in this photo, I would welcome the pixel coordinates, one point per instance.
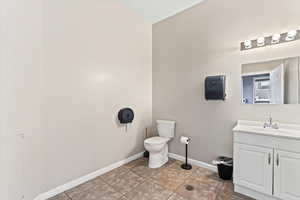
(157, 10)
(205, 40)
(291, 80)
(21, 98)
(67, 67)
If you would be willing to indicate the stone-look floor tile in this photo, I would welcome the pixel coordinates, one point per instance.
(202, 172)
(109, 177)
(62, 196)
(145, 161)
(176, 197)
(135, 181)
(227, 187)
(232, 196)
(149, 191)
(126, 182)
(177, 165)
(145, 171)
(170, 162)
(240, 197)
(123, 198)
(202, 190)
(227, 193)
(135, 163)
(170, 178)
(85, 187)
(94, 190)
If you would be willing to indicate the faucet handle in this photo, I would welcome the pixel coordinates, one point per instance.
(270, 119)
(275, 126)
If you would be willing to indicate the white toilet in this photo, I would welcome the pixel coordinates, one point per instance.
(158, 146)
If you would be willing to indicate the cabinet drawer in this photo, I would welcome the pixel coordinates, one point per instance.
(279, 143)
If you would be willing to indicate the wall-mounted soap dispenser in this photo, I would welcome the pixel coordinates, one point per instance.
(215, 87)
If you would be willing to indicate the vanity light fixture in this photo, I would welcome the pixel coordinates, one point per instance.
(248, 44)
(261, 41)
(274, 39)
(291, 35)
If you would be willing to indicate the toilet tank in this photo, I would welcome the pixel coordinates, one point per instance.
(166, 128)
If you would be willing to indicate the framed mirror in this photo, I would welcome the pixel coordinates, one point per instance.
(271, 82)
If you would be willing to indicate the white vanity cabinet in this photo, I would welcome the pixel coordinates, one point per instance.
(253, 167)
(267, 161)
(287, 175)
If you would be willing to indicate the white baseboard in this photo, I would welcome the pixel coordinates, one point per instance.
(85, 178)
(194, 162)
(253, 194)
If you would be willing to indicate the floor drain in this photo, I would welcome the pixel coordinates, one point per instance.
(189, 187)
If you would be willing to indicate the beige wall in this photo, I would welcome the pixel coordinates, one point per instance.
(71, 65)
(98, 60)
(205, 40)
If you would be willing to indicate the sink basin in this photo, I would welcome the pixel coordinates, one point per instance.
(285, 130)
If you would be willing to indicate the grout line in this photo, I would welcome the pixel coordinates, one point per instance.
(145, 180)
(170, 195)
(110, 185)
(68, 196)
(129, 170)
(150, 178)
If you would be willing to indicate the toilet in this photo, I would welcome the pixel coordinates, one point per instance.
(158, 146)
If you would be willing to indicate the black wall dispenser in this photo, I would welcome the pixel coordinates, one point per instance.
(126, 116)
(215, 87)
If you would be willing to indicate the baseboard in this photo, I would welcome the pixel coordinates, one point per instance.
(253, 194)
(85, 178)
(194, 162)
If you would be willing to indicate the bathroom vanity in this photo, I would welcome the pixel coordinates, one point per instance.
(267, 161)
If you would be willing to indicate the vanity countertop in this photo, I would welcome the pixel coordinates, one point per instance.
(291, 131)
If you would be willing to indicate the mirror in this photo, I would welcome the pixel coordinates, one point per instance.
(271, 82)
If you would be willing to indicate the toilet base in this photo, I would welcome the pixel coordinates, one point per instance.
(158, 159)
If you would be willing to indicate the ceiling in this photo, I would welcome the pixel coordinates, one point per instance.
(157, 10)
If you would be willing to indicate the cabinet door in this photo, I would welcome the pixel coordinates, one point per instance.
(253, 167)
(287, 175)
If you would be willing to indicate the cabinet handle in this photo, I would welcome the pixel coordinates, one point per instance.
(277, 160)
(269, 159)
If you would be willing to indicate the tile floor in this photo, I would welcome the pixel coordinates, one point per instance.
(135, 181)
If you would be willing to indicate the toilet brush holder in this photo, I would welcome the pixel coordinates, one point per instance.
(146, 153)
(186, 166)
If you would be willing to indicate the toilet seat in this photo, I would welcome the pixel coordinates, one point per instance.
(156, 140)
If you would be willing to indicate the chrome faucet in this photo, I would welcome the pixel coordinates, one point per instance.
(270, 124)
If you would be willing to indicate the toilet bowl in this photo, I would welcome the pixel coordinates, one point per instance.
(158, 146)
(158, 149)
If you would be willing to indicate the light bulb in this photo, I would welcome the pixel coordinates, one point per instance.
(291, 35)
(275, 39)
(248, 44)
(260, 41)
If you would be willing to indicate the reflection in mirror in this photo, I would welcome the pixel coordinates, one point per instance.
(272, 82)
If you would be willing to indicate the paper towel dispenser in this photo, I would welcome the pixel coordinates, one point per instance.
(215, 87)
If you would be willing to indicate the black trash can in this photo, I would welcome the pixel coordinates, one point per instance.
(225, 167)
